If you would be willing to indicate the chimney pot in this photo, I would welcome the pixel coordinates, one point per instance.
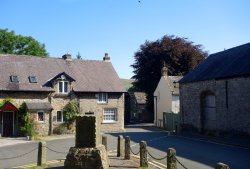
(67, 56)
(164, 71)
(106, 57)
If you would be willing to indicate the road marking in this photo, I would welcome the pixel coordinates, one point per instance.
(158, 163)
(154, 163)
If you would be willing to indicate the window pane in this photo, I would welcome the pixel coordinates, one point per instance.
(40, 116)
(65, 87)
(109, 115)
(60, 87)
(59, 116)
(102, 97)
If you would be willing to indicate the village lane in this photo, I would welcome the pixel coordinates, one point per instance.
(192, 153)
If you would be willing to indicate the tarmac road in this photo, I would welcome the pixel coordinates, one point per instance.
(193, 153)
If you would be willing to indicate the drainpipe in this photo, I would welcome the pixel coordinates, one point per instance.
(156, 110)
(50, 115)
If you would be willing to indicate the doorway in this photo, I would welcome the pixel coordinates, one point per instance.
(8, 124)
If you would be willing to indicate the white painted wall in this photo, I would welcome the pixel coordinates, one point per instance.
(162, 100)
(175, 104)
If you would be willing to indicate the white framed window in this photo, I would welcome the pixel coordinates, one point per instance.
(63, 87)
(102, 97)
(40, 116)
(59, 116)
(110, 115)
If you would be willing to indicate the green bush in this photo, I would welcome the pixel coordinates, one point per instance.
(71, 111)
(61, 129)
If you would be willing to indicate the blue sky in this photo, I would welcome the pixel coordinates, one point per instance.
(119, 27)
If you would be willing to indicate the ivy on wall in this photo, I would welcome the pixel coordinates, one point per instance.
(5, 100)
(71, 111)
(25, 123)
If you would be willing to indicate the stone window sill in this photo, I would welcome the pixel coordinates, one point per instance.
(62, 95)
(102, 103)
(109, 122)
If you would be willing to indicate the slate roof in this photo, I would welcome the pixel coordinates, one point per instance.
(230, 63)
(38, 106)
(140, 97)
(89, 75)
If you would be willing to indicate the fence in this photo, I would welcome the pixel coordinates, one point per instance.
(41, 153)
(123, 150)
(143, 152)
(171, 121)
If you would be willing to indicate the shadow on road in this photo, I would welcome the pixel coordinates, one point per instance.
(199, 151)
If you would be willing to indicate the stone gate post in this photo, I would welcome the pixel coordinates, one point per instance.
(143, 154)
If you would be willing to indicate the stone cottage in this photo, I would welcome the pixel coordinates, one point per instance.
(47, 85)
(138, 102)
(214, 97)
(166, 96)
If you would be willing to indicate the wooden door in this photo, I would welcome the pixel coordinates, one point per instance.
(7, 124)
(209, 113)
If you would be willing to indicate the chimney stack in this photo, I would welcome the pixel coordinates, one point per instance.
(67, 56)
(106, 58)
(164, 70)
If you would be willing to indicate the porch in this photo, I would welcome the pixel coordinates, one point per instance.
(8, 120)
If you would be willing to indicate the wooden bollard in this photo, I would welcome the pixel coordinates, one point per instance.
(41, 157)
(171, 159)
(143, 154)
(221, 166)
(120, 146)
(127, 147)
(104, 142)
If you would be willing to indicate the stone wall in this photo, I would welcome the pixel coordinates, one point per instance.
(232, 104)
(58, 104)
(88, 103)
(20, 97)
(41, 128)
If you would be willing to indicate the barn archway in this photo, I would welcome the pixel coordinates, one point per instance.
(208, 111)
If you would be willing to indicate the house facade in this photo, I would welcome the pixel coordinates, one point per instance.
(47, 85)
(166, 97)
(214, 97)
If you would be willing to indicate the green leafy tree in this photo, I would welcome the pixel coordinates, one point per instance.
(179, 54)
(78, 56)
(71, 111)
(10, 43)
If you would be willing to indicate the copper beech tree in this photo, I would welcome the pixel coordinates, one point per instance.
(179, 55)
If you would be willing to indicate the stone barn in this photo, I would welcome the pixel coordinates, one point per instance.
(214, 97)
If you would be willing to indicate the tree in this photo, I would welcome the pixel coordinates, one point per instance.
(179, 54)
(10, 43)
(78, 56)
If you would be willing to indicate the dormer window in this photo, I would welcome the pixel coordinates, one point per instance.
(32, 79)
(63, 87)
(14, 79)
